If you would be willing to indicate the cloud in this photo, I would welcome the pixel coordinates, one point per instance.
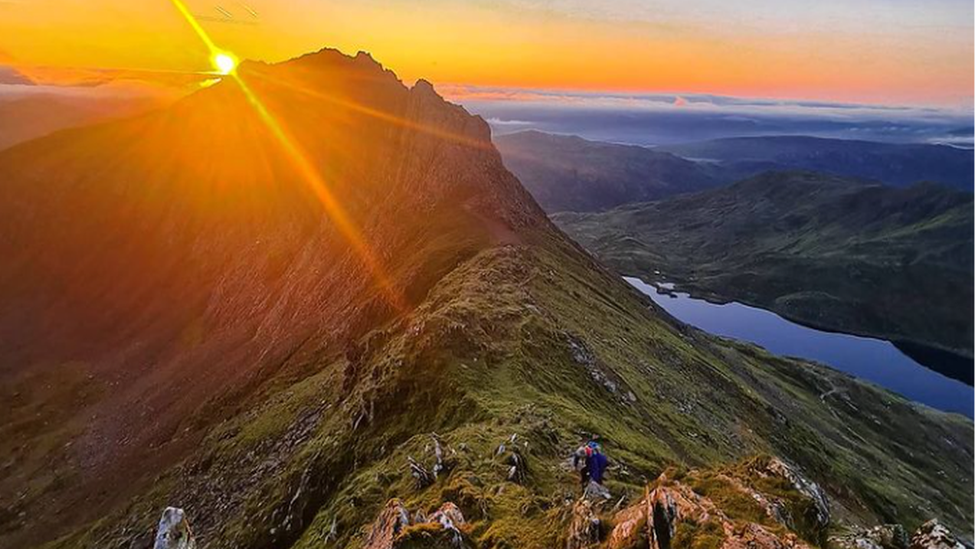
(739, 106)
(654, 119)
(105, 81)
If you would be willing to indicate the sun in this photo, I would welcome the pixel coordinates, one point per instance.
(224, 62)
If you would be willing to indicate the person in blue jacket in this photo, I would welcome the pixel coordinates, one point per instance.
(594, 463)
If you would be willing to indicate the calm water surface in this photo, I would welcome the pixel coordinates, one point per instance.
(875, 360)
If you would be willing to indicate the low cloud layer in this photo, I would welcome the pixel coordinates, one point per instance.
(657, 119)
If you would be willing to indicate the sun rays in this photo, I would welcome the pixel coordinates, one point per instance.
(305, 168)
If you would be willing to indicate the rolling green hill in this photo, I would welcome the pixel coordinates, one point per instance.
(829, 252)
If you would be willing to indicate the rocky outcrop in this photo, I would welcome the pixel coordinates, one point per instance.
(934, 535)
(584, 526)
(884, 536)
(630, 530)
(388, 525)
(393, 528)
(450, 518)
(765, 467)
(174, 531)
(673, 513)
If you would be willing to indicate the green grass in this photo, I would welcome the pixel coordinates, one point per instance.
(490, 354)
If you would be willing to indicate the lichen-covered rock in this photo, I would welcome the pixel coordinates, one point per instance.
(388, 525)
(773, 466)
(394, 530)
(934, 535)
(884, 536)
(448, 516)
(672, 514)
(584, 526)
(174, 531)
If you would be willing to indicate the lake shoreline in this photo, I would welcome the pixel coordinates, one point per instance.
(928, 354)
(876, 361)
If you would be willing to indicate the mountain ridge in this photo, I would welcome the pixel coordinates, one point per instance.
(897, 164)
(192, 328)
(565, 172)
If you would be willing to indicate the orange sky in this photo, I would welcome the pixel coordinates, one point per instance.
(877, 51)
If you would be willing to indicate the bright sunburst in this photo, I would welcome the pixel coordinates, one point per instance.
(225, 63)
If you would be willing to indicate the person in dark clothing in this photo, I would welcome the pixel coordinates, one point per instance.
(593, 462)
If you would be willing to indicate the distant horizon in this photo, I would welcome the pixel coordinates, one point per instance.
(876, 52)
(124, 83)
(643, 118)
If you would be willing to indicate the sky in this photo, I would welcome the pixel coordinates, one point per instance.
(889, 52)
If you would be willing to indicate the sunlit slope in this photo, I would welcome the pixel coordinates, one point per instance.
(184, 322)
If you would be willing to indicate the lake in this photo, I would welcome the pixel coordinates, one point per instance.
(874, 360)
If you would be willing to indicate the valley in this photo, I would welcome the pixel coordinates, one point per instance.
(827, 252)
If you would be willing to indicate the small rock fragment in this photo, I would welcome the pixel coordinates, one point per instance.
(174, 531)
(934, 535)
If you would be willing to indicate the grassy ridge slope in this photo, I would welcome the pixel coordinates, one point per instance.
(533, 346)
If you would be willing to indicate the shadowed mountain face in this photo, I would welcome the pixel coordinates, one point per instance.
(830, 252)
(568, 173)
(24, 118)
(892, 164)
(258, 303)
(11, 76)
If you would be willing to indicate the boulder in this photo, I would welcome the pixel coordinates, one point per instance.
(174, 531)
(934, 535)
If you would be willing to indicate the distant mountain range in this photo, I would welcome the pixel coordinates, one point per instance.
(567, 173)
(831, 252)
(293, 308)
(13, 77)
(27, 117)
(888, 163)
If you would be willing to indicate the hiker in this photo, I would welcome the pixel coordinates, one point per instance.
(593, 462)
